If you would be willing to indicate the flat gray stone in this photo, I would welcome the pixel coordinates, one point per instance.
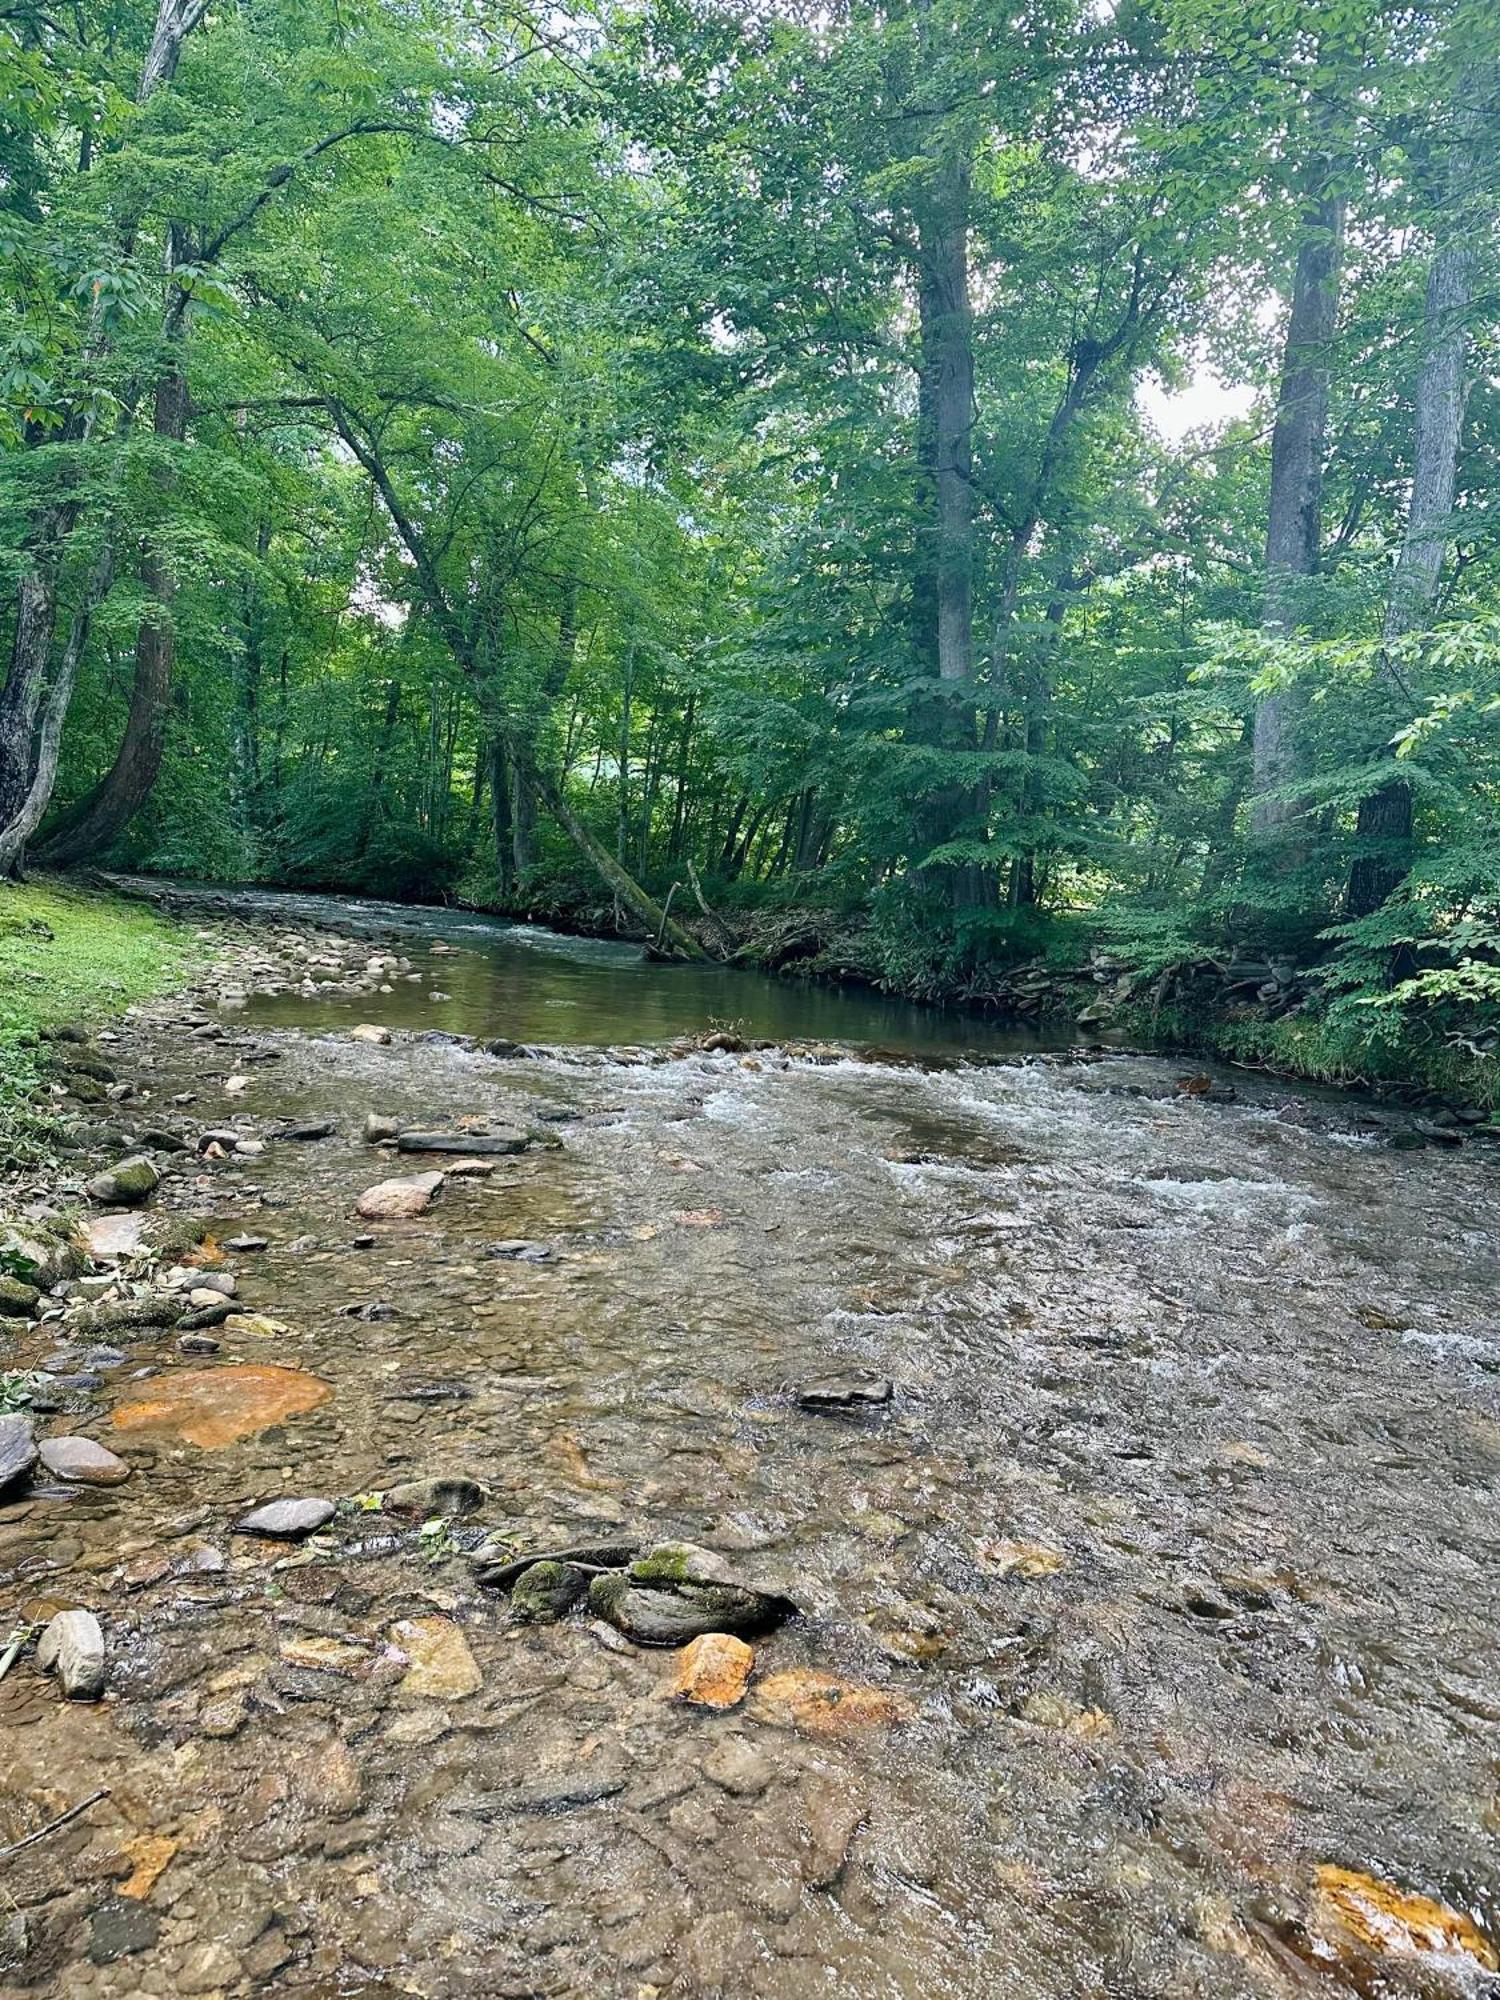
(81, 1462)
(480, 1144)
(286, 1520)
(855, 1388)
(18, 1449)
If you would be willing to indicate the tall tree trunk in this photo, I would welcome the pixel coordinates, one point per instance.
(1384, 829)
(101, 818)
(28, 767)
(945, 448)
(17, 827)
(500, 792)
(1294, 522)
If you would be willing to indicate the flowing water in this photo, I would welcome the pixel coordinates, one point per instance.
(1172, 1557)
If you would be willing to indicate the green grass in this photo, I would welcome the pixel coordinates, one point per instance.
(67, 956)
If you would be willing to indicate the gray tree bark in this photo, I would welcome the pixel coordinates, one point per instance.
(1294, 523)
(1383, 833)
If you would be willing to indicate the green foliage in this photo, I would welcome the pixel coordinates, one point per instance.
(66, 957)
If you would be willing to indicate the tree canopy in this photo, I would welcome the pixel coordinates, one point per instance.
(1019, 479)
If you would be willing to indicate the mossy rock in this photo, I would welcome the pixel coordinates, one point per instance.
(17, 1298)
(128, 1185)
(546, 1592)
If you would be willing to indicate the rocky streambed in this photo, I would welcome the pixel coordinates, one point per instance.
(709, 1519)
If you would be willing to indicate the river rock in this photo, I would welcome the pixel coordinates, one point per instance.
(501, 1045)
(853, 1389)
(713, 1671)
(113, 1236)
(395, 1200)
(480, 1144)
(81, 1462)
(129, 1185)
(73, 1647)
(286, 1520)
(671, 1615)
(314, 1128)
(243, 1243)
(499, 1570)
(368, 1032)
(18, 1449)
(546, 1591)
(18, 1299)
(441, 1666)
(379, 1129)
(443, 1494)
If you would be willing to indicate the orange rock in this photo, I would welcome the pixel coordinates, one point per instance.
(148, 1854)
(713, 1670)
(210, 1407)
(804, 1698)
(1360, 1915)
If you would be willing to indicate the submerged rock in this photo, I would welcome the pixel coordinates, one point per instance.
(479, 1144)
(441, 1666)
(397, 1200)
(128, 1185)
(1360, 1918)
(546, 1591)
(73, 1647)
(825, 1704)
(500, 1571)
(211, 1407)
(287, 1520)
(81, 1462)
(854, 1388)
(443, 1494)
(18, 1449)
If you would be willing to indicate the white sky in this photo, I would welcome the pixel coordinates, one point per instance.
(1207, 400)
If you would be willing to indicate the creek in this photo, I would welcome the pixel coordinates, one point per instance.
(1162, 1590)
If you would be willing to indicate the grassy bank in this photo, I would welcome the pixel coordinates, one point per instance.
(67, 955)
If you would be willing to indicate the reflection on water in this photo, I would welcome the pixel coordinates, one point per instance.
(536, 985)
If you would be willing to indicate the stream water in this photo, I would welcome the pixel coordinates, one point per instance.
(1172, 1559)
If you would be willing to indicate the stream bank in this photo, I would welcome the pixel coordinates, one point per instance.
(1144, 1636)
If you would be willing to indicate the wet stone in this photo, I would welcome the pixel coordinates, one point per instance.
(287, 1520)
(127, 1185)
(81, 1461)
(245, 1243)
(546, 1591)
(853, 1389)
(448, 1495)
(73, 1647)
(399, 1200)
(480, 1145)
(119, 1928)
(18, 1449)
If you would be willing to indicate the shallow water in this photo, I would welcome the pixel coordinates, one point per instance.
(1228, 1371)
(537, 985)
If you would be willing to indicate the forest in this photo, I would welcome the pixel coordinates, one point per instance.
(994, 486)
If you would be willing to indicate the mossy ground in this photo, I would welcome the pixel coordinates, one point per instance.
(67, 955)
